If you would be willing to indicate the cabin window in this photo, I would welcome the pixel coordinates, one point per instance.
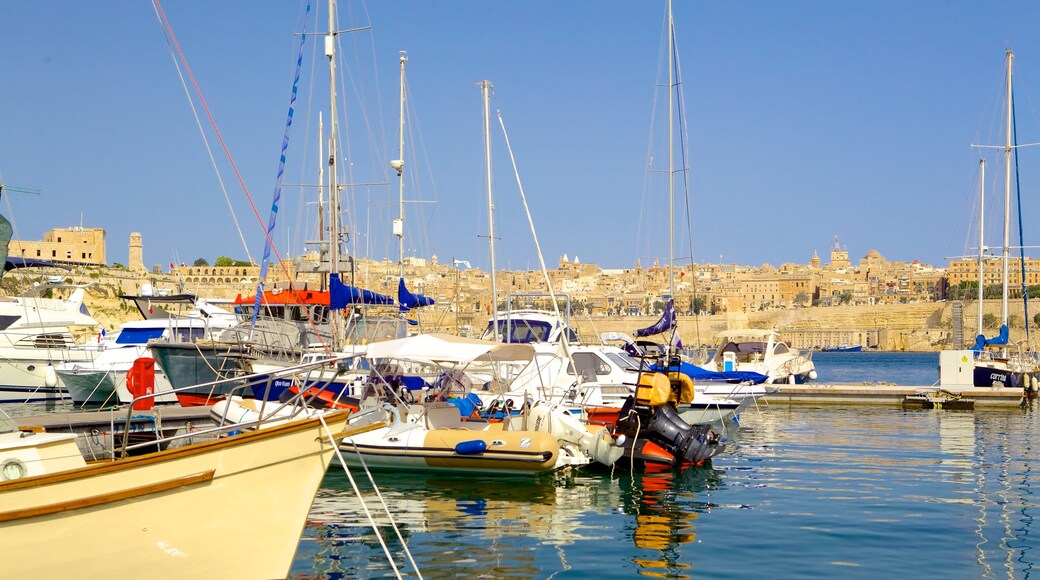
(188, 334)
(297, 314)
(277, 312)
(6, 321)
(587, 361)
(49, 341)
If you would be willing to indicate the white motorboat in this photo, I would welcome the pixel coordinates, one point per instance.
(436, 431)
(36, 335)
(761, 351)
(182, 318)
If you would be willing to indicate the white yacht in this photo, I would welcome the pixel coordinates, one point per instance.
(181, 318)
(761, 351)
(601, 375)
(37, 333)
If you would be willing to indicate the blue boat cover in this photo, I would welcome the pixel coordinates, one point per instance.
(408, 300)
(663, 324)
(340, 295)
(13, 263)
(981, 341)
(698, 374)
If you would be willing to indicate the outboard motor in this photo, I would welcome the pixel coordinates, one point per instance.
(692, 444)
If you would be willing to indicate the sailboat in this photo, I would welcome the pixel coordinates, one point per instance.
(116, 518)
(996, 364)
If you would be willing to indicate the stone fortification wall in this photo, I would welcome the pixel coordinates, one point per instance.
(898, 327)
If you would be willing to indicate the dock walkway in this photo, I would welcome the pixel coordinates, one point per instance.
(865, 393)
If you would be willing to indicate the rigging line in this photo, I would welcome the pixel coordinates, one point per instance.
(564, 341)
(1021, 234)
(202, 132)
(357, 492)
(386, 509)
(213, 123)
(683, 141)
(279, 177)
(168, 31)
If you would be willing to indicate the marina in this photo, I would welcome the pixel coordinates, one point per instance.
(860, 488)
(345, 404)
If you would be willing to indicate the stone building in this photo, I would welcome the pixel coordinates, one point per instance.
(967, 270)
(67, 245)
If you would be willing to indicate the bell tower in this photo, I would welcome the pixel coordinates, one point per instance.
(136, 253)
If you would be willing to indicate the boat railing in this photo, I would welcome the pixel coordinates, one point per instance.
(267, 412)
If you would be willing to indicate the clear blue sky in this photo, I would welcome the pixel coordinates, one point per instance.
(806, 120)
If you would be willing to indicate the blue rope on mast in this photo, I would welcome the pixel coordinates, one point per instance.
(1021, 238)
(281, 172)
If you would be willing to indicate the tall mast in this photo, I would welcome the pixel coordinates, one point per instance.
(1007, 195)
(671, 155)
(398, 165)
(982, 209)
(485, 87)
(321, 181)
(330, 52)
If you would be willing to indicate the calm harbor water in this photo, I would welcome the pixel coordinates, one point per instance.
(802, 491)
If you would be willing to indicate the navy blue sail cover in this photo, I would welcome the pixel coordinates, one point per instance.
(408, 300)
(340, 295)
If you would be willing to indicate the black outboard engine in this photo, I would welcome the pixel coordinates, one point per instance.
(664, 427)
(690, 443)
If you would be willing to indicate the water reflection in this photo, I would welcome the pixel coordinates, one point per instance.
(861, 492)
(517, 527)
(666, 505)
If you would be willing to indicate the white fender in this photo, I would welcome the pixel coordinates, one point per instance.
(50, 377)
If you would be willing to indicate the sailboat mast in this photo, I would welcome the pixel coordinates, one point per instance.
(330, 52)
(321, 178)
(485, 87)
(398, 165)
(982, 210)
(1007, 195)
(671, 155)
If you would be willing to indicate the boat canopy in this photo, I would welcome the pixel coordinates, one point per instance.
(698, 374)
(440, 348)
(13, 263)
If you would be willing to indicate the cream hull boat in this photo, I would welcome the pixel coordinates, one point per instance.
(186, 512)
(434, 437)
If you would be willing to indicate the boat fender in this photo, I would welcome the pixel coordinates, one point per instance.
(812, 375)
(50, 377)
(474, 447)
(791, 379)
